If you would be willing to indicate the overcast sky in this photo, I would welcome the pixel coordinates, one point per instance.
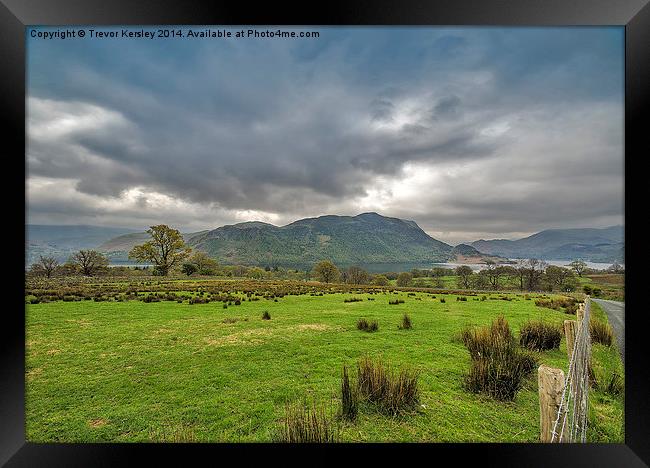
(472, 132)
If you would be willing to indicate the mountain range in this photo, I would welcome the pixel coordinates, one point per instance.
(596, 245)
(368, 238)
(61, 241)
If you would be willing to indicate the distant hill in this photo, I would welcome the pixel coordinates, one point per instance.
(117, 248)
(60, 241)
(464, 249)
(595, 245)
(364, 239)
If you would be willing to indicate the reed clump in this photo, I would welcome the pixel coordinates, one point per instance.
(498, 366)
(392, 392)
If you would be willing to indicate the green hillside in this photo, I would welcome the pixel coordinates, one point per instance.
(366, 238)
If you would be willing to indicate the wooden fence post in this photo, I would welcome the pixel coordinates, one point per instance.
(551, 384)
(570, 333)
(580, 314)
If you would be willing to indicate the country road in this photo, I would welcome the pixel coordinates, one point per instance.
(616, 314)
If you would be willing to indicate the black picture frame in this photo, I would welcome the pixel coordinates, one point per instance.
(15, 15)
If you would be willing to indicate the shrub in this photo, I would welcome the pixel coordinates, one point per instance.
(442, 299)
(353, 299)
(306, 424)
(266, 315)
(392, 392)
(498, 367)
(395, 302)
(569, 304)
(349, 398)
(406, 323)
(362, 324)
(601, 332)
(540, 336)
(373, 326)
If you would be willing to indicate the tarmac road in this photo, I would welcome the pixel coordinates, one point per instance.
(616, 314)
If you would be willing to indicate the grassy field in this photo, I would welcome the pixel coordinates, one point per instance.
(165, 371)
(611, 286)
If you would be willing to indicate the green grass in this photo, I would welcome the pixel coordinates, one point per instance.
(137, 372)
(607, 411)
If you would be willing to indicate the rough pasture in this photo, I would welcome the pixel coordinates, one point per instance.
(128, 369)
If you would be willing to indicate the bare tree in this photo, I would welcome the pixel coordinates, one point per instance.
(464, 274)
(89, 262)
(45, 266)
(534, 271)
(578, 266)
(616, 268)
(493, 273)
(357, 275)
(521, 272)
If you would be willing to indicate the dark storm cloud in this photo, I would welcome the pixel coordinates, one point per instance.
(300, 128)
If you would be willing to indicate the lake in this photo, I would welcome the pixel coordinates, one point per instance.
(398, 267)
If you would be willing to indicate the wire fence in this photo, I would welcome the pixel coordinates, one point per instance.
(571, 419)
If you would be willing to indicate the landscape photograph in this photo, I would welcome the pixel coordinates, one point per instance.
(324, 234)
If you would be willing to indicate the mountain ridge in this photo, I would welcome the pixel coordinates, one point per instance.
(363, 239)
(591, 244)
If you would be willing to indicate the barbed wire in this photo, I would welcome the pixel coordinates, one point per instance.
(571, 418)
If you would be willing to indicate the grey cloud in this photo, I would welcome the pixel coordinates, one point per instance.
(296, 131)
(447, 107)
(382, 110)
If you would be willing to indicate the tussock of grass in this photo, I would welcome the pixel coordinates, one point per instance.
(406, 323)
(482, 342)
(498, 366)
(614, 385)
(601, 332)
(349, 397)
(392, 392)
(353, 299)
(365, 325)
(540, 336)
(304, 423)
